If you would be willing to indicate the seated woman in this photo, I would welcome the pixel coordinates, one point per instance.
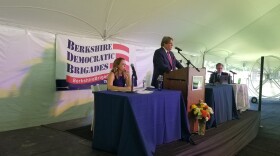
(119, 78)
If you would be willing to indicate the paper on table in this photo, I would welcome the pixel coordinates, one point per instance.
(144, 91)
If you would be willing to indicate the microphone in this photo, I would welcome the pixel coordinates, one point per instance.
(133, 70)
(232, 72)
(178, 49)
(210, 71)
(133, 77)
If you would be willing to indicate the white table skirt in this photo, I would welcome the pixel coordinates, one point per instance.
(241, 97)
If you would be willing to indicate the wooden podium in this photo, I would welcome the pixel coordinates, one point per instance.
(191, 83)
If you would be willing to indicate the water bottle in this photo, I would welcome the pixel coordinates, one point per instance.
(144, 84)
(160, 80)
(239, 81)
(92, 88)
(97, 87)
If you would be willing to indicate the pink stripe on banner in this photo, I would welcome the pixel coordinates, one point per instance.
(118, 55)
(121, 47)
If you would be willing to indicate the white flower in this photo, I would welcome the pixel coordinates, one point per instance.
(210, 110)
(197, 111)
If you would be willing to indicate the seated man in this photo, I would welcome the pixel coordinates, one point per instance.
(215, 77)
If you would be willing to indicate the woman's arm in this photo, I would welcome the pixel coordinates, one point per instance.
(111, 78)
(127, 79)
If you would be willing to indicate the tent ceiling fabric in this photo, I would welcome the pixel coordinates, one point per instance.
(241, 30)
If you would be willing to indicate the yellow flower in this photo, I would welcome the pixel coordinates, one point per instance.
(193, 106)
(196, 111)
(200, 107)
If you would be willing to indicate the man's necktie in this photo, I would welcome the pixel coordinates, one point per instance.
(169, 58)
(219, 76)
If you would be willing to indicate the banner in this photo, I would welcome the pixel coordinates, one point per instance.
(82, 62)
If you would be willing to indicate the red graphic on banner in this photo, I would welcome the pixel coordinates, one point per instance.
(122, 56)
(121, 47)
(86, 80)
(118, 55)
(111, 65)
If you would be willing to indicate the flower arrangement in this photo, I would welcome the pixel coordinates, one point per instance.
(201, 111)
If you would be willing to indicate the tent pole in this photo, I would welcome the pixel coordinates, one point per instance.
(261, 83)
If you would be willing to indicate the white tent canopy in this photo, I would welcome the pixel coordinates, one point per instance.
(237, 30)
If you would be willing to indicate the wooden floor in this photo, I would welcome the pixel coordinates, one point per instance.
(235, 134)
(56, 139)
(267, 142)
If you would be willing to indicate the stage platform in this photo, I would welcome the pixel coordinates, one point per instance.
(227, 139)
(74, 137)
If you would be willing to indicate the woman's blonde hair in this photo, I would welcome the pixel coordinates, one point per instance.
(116, 63)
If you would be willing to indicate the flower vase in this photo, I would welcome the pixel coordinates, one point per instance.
(201, 126)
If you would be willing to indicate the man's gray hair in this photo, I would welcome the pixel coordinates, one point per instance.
(166, 40)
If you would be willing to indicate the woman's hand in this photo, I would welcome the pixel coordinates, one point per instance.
(127, 88)
(126, 74)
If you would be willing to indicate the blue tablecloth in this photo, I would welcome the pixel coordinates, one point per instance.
(221, 99)
(133, 124)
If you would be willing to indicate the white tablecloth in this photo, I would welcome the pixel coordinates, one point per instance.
(241, 96)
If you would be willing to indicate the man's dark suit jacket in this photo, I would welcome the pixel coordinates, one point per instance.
(214, 77)
(162, 65)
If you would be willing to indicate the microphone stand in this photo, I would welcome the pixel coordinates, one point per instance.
(190, 140)
(233, 78)
(233, 73)
(133, 76)
(188, 61)
(132, 81)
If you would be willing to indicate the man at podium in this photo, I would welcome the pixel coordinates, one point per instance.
(164, 59)
(216, 76)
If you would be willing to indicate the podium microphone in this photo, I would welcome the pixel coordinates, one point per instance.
(178, 49)
(232, 72)
(188, 61)
(133, 70)
(133, 77)
(210, 71)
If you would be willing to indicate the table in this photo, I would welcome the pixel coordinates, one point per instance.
(241, 96)
(221, 98)
(133, 124)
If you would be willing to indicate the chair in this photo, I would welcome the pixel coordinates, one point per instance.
(97, 87)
